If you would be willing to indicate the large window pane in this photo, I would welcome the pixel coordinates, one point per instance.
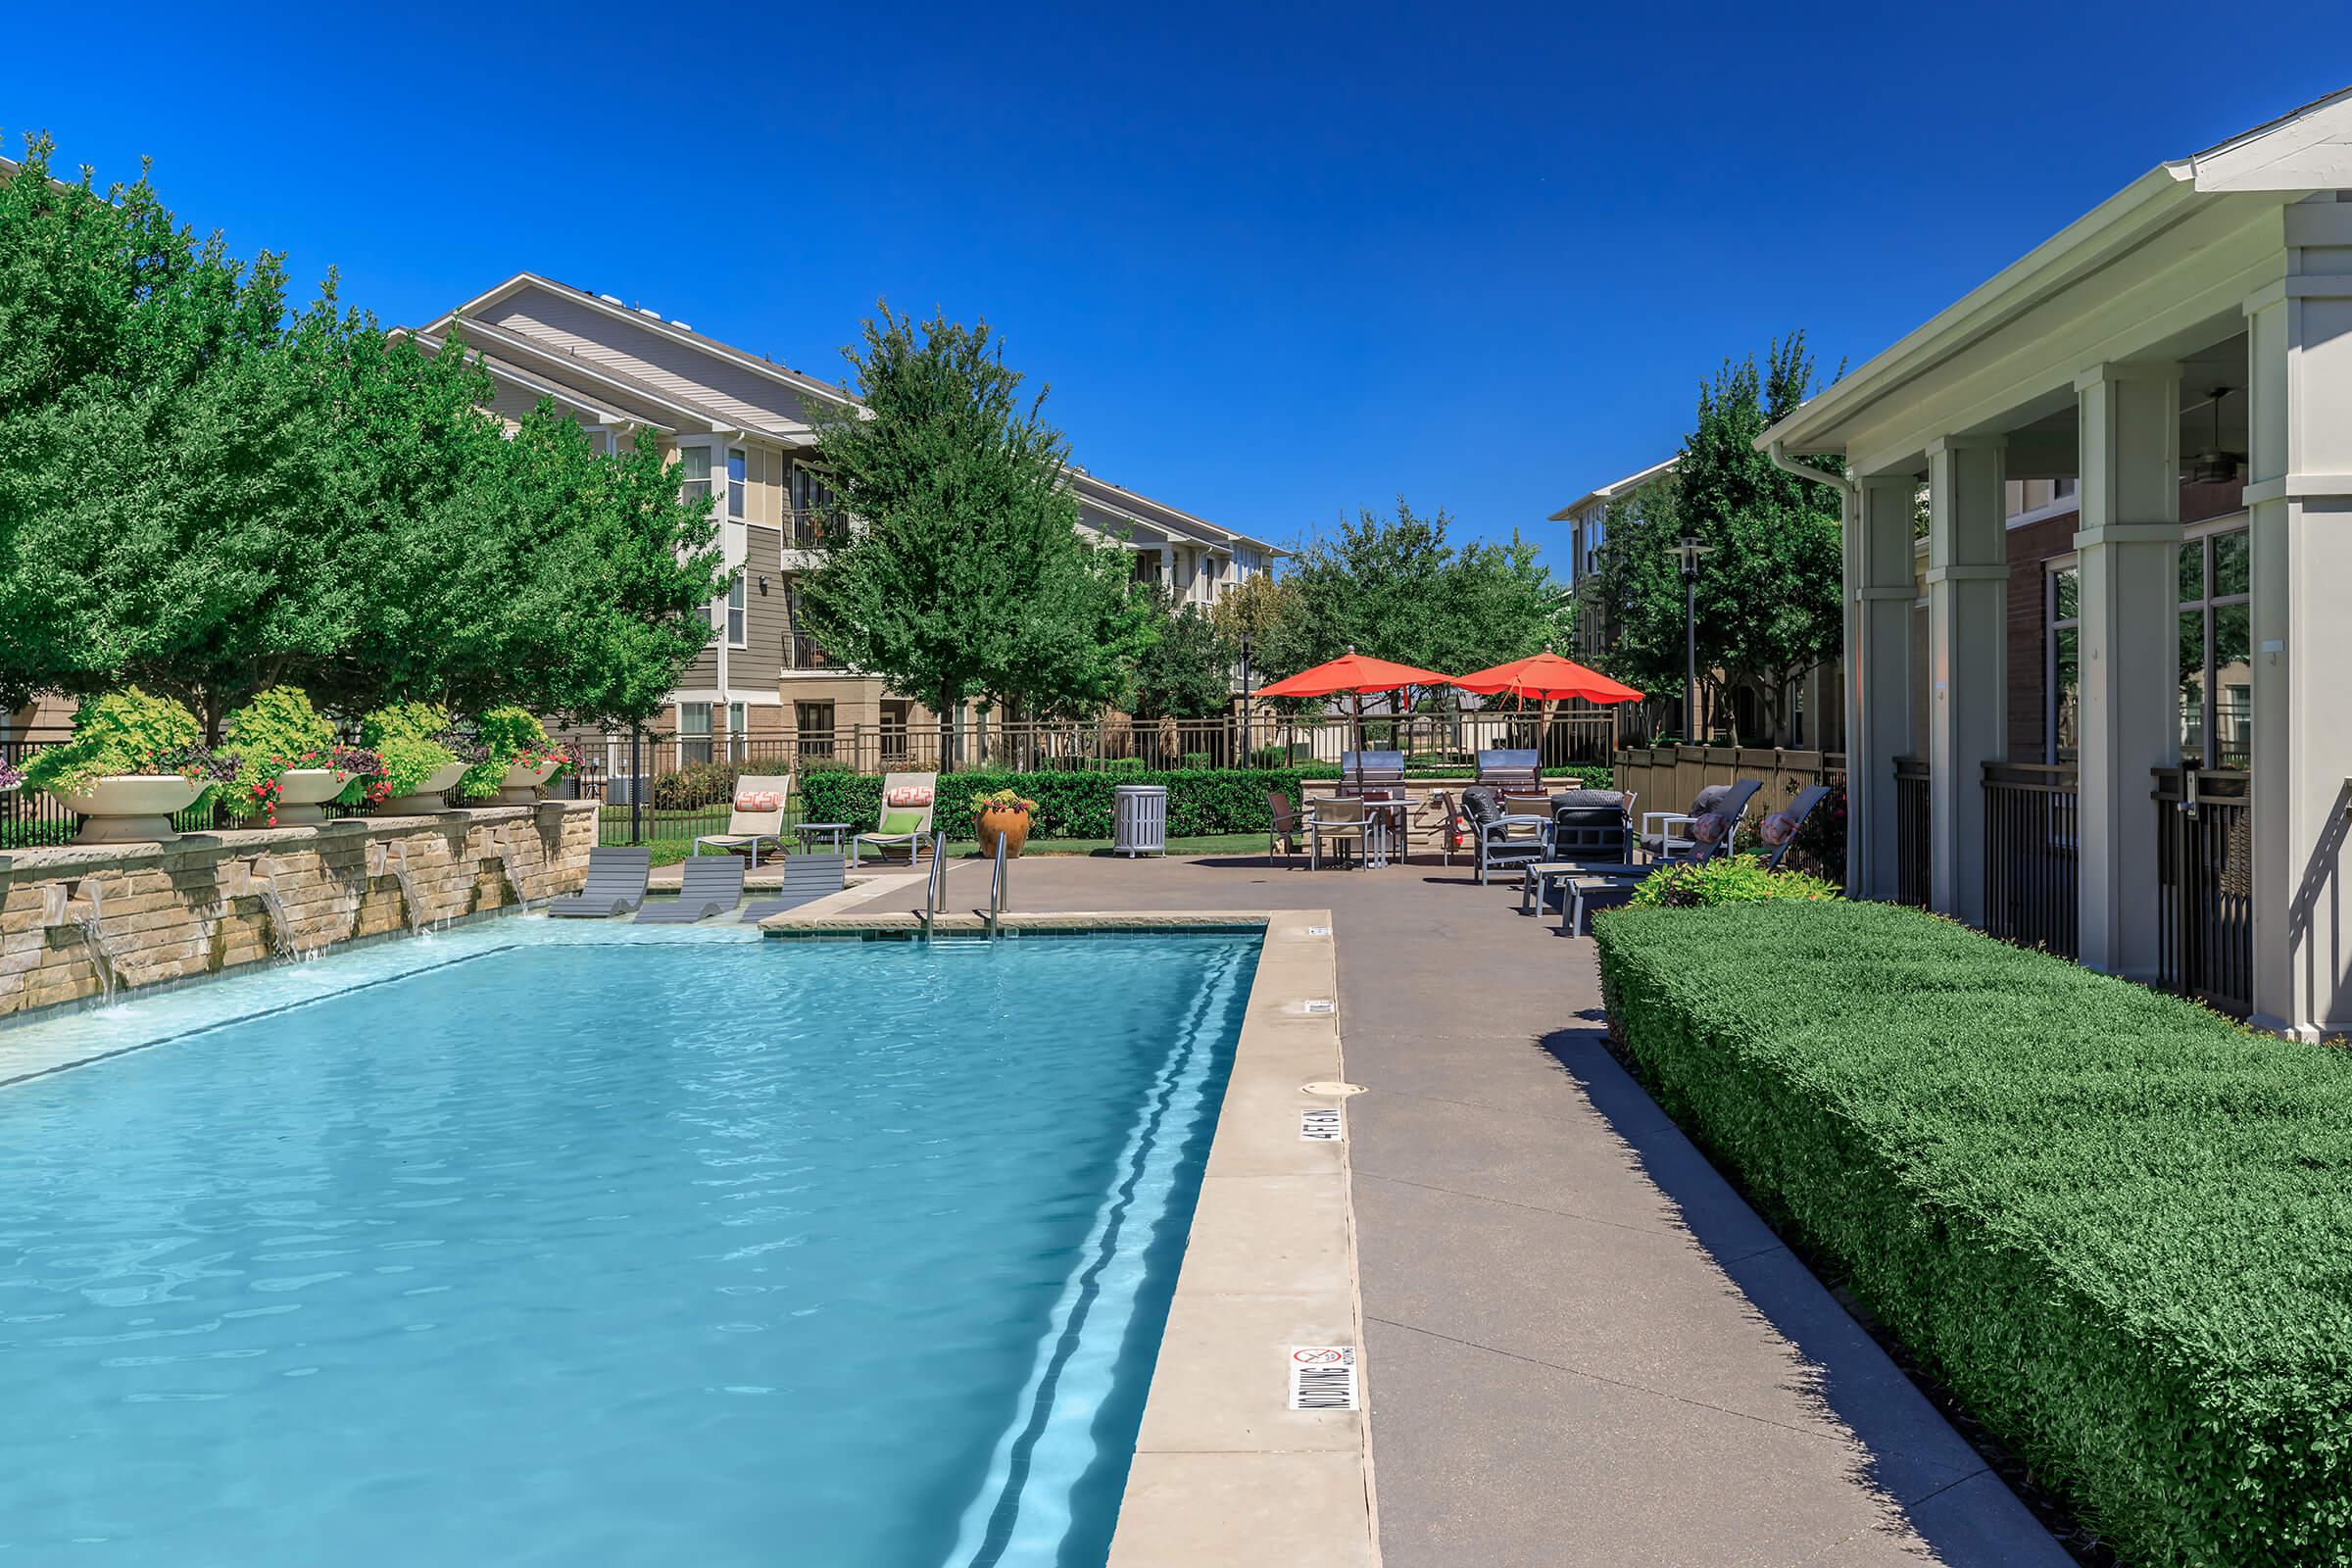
(694, 732)
(2232, 685)
(735, 477)
(2066, 594)
(2192, 684)
(2192, 570)
(2230, 576)
(2066, 694)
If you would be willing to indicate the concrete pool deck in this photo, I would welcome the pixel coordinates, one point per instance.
(1581, 1346)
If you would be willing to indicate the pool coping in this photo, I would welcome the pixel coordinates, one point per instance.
(1224, 1471)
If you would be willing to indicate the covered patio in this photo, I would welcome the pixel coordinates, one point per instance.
(2124, 741)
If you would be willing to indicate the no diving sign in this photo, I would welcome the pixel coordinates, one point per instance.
(1323, 1377)
(1319, 1124)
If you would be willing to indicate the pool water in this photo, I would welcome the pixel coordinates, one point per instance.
(530, 1244)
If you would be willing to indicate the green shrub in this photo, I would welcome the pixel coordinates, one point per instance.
(508, 735)
(277, 729)
(407, 737)
(696, 785)
(2116, 1225)
(1071, 806)
(1726, 879)
(116, 733)
(1196, 762)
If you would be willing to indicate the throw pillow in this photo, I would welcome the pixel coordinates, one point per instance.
(901, 821)
(1777, 829)
(916, 794)
(760, 800)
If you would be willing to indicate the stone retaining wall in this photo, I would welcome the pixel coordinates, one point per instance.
(213, 901)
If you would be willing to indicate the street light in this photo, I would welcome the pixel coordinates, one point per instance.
(1245, 758)
(1689, 551)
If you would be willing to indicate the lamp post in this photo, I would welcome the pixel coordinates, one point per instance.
(1689, 551)
(1244, 757)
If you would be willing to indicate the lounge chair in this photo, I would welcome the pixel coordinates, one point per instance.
(709, 884)
(1809, 796)
(1339, 819)
(756, 817)
(807, 878)
(1498, 838)
(1717, 799)
(1283, 825)
(615, 885)
(907, 800)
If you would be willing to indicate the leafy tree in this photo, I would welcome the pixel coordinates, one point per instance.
(1400, 590)
(1188, 671)
(967, 577)
(1766, 596)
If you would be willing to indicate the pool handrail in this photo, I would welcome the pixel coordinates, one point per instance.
(997, 889)
(933, 892)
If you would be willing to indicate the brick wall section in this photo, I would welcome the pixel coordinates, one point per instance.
(2029, 547)
(173, 911)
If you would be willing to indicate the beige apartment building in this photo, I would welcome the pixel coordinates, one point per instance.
(739, 426)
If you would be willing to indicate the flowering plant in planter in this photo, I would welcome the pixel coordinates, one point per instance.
(119, 734)
(1004, 800)
(10, 777)
(506, 734)
(412, 740)
(275, 733)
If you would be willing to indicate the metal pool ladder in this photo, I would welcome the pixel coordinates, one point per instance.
(999, 891)
(935, 890)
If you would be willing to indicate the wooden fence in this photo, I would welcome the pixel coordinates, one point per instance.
(1667, 779)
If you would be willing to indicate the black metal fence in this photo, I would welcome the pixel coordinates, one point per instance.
(2033, 855)
(2205, 886)
(1914, 852)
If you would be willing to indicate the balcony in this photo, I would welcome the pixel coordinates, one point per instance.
(816, 528)
(801, 651)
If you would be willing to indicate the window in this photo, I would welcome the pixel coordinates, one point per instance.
(735, 611)
(694, 472)
(694, 732)
(894, 715)
(817, 519)
(735, 477)
(736, 727)
(2064, 722)
(815, 723)
(2216, 674)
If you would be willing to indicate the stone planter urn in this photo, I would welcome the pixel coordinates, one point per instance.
(520, 786)
(302, 794)
(1008, 822)
(132, 808)
(431, 795)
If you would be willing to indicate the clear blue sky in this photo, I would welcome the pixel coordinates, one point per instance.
(1276, 262)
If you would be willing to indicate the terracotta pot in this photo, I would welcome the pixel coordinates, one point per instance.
(302, 794)
(132, 808)
(1008, 821)
(520, 786)
(431, 795)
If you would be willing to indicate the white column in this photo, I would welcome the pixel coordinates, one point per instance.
(2129, 428)
(1968, 577)
(1878, 674)
(2299, 494)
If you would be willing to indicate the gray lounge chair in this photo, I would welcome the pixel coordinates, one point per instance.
(1491, 832)
(616, 876)
(709, 884)
(807, 878)
(1809, 796)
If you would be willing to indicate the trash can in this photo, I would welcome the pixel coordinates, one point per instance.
(1140, 819)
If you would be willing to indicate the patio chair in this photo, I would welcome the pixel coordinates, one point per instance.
(1781, 828)
(709, 885)
(616, 878)
(756, 817)
(1493, 830)
(907, 800)
(1340, 818)
(1440, 822)
(1586, 832)
(1283, 825)
(1510, 771)
(1727, 802)
(807, 878)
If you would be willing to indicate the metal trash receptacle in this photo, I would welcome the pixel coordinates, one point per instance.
(1140, 819)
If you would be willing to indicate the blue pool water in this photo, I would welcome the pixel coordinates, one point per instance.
(605, 1249)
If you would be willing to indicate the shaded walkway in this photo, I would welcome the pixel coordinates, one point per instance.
(1582, 1346)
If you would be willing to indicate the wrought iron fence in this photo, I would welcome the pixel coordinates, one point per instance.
(2205, 885)
(1914, 850)
(2033, 855)
(30, 818)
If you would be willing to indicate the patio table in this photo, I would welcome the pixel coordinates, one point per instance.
(810, 832)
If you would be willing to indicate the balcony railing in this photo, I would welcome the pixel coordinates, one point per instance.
(2205, 886)
(2033, 857)
(815, 528)
(801, 651)
(1913, 854)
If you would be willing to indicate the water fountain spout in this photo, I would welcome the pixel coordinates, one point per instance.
(93, 939)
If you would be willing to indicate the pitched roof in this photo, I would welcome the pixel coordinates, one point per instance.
(1615, 488)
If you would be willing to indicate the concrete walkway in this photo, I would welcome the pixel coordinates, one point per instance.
(1581, 1345)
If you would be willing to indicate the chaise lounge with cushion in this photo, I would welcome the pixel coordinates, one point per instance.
(907, 800)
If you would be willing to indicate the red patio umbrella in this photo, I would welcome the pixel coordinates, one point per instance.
(1354, 674)
(1548, 678)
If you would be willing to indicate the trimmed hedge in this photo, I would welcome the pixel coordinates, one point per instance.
(2118, 1226)
(1070, 805)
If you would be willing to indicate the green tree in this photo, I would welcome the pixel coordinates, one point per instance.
(1398, 589)
(1188, 670)
(966, 576)
(1767, 594)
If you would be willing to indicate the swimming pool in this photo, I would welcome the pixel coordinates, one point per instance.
(529, 1244)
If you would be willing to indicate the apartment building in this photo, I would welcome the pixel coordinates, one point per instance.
(1588, 520)
(739, 427)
